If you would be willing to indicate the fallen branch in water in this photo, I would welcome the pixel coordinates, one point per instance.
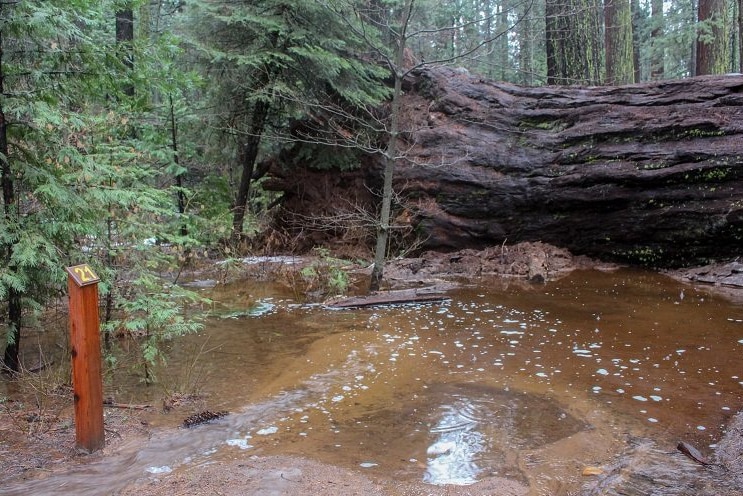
(126, 406)
(692, 453)
(396, 297)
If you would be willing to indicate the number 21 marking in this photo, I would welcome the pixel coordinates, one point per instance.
(83, 274)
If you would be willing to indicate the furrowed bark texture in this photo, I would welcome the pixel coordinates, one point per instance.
(645, 173)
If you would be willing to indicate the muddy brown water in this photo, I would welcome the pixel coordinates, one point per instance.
(534, 384)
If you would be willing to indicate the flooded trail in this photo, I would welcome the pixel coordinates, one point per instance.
(532, 385)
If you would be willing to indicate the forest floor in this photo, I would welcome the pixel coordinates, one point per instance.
(37, 434)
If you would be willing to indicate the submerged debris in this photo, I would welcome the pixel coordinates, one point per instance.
(588, 471)
(692, 453)
(202, 418)
(396, 297)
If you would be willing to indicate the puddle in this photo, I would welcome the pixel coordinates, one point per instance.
(528, 385)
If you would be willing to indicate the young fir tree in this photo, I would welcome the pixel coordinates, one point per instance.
(150, 228)
(274, 59)
(50, 69)
(82, 160)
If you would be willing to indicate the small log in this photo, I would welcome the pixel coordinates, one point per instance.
(397, 297)
(127, 406)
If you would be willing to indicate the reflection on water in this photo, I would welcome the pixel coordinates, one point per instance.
(451, 458)
(480, 430)
(530, 384)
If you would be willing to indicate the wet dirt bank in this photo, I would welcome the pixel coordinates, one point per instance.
(283, 475)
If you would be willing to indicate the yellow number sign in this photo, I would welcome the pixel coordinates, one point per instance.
(83, 275)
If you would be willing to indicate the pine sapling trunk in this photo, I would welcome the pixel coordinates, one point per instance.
(10, 358)
(383, 229)
(125, 39)
(180, 195)
(248, 156)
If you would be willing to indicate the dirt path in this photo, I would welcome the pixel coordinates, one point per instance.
(281, 475)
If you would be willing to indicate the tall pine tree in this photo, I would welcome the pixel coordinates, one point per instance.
(275, 58)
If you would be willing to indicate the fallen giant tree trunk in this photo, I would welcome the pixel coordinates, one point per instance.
(646, 173)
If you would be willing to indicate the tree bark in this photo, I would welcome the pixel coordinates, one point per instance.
(502, 42)
(712, 40)
(526, 44)
(573, 46)
(645, 173)
(390, 155)
(636, 21)
(740, 36)
(657, 58)
(618, 42)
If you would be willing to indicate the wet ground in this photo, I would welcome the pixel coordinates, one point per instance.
(523, 386)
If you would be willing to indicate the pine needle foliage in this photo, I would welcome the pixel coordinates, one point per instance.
(87, 169)
(276, 61)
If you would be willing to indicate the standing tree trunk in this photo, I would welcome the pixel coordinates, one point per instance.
(526, 44)
(712, 41)
(180, 194)
(636, 20)
(618, 42)
(573, 44)
(555, 25)
(657, 69)
(10, 358)
(501, 28)
(740, 35)
(490, 8)
(248, 156)
(125, 40)
(383, 229)
(248, 152)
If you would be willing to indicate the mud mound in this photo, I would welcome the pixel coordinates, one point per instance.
(533, 262)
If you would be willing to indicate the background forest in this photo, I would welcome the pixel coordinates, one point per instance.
(134, 134)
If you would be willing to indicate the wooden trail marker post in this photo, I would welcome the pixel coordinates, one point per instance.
(85, 341)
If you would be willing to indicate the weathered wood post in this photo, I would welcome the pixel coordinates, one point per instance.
(85, 339)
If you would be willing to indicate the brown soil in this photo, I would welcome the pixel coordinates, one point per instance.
(525, 262)
(37, 438)
(37, 433)
(284, 475)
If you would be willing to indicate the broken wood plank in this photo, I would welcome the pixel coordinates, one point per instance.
(396, 297)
